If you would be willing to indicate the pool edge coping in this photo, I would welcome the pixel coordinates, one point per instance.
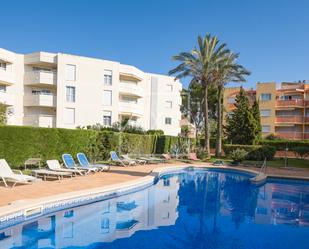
(21, 206)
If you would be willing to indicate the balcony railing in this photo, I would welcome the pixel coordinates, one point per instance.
(40, 77)
(306, 135)
(306, 120)
(40, 100)
(40, 120)
(7, 99)
(290, 135)
(131, 89)
(7, 77)
(130, 109)
(289, 119)
(290, 103)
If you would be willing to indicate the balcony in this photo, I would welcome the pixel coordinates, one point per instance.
(7, 99)
(306, 120)
(289, 119)
(39, 78)
(131, 89)
(290, 135)
(306, 135)
(131, 109)
(40, 100)
(6, 77)
(41, 59)
(40, 120)
(290, 103)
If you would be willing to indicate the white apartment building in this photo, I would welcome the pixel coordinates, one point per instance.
(66, 91)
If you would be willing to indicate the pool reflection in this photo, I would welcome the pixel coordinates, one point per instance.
(193, 207)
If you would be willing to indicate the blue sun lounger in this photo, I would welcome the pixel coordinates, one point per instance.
(83, 161)
(70, 164)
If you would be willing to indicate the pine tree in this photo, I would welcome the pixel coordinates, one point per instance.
(257, 118)
(240, 128)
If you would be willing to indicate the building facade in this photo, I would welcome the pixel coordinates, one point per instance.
(67, 91)
(284, 108)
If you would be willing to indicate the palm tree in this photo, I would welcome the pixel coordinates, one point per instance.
(228, 70)
(200, 64)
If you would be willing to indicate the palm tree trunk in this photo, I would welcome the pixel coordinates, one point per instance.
(219, 123)
(207, 145)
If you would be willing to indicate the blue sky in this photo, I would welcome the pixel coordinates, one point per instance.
(272, 36)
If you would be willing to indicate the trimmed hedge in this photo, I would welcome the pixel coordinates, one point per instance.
(282, 144)
(254, 152)
(18, 143)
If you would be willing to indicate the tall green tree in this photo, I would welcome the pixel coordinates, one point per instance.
(2, 114)
(228, 70)
(199, 64)
(240, 127)
(257, 118)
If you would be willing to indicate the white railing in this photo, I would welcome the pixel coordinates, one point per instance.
(130, 108)
(40, 100)
(6, 98)
(44, 77)
(40, 120)
(131, 89)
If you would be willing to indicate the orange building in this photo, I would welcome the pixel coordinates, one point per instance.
(284, 108)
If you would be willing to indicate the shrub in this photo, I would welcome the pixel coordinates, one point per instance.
(254, 152)
(261, 153)
(282, 144)
(201, 154)
(238, 155)
(228, 148)
(301, 151)
(155, 132)
(272, 137)
(18, 143)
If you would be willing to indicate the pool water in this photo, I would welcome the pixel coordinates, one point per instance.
(194, 209)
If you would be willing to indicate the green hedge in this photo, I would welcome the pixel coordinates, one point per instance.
(282, 144)
(18, 143)
(254, 152)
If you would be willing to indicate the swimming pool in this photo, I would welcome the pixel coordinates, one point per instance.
(189, 209)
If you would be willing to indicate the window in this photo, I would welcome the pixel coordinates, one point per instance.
(3, 65)
(2, 89)
(105, 225)
(70, 72)
(169, 87)
(265, 96)
(70, 94)
(169, 104)
(107, 118)
(108, 77)
(265, 113)
(128, 99)
(168, 121)
(69, 116)
(107, 98)
(231, 100)
(265, 128)
(41, 92)
(67, 230)
(41, 69)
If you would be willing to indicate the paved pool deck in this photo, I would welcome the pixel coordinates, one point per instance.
(116, 175)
